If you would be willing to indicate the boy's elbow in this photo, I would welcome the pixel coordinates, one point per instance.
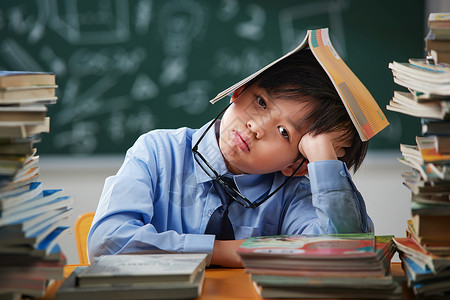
(370, 225)
(353, 227)
(96, 247)
(96, 251)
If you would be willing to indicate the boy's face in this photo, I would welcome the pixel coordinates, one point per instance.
(258, 134)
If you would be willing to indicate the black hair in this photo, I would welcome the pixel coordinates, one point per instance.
(300, 77)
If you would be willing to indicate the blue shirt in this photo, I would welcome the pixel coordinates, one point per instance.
(161, 199)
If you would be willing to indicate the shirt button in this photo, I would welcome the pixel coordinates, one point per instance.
(210, 212)
(343, 174)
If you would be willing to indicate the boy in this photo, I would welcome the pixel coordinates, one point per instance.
(289, 120)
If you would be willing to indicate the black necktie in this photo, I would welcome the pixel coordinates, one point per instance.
(219, 224)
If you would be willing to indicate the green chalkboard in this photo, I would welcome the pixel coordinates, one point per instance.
(126, 67)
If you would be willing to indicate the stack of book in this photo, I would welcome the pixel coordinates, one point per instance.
(427, 274)
(137, 276)
(31, 218)
(321, 266)
(427, 97)
(437, 42)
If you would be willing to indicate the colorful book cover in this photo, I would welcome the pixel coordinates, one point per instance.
(312, 246)
(362, 108)
(409, 248)
(428, 149)
(385, 249)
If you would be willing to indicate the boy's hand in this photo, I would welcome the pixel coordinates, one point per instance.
(325, 146)
(224, 254)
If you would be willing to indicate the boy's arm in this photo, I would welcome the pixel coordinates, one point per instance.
(125, 219)
(339, 206)
(336, 206)
(325, 146)
(123, 224)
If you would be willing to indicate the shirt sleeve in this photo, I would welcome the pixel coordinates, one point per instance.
(334, 205)
(123, 220)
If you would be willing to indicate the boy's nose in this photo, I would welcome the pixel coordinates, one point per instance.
(255, 128)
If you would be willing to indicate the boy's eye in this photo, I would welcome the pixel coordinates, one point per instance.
(283, 132)
(261, 102)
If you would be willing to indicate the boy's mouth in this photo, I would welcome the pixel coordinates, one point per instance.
(240, 141)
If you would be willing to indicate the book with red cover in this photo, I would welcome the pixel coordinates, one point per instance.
(408, 247)
(321, 266)
(323, 246)
(329, 253)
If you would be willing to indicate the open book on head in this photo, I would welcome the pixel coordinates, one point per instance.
(364, 111)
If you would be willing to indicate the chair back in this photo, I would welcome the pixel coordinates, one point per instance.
(81, 231)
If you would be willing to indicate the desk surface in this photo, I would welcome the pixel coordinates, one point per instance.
(226, 284)
(221, 284)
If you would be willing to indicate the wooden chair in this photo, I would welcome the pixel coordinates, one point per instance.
(81, 230)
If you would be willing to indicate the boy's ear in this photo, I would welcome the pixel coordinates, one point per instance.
(237, 92)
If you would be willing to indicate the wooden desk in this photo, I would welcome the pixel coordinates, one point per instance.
(227, 284)
(234, 284)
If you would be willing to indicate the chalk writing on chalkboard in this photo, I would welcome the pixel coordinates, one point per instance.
(128, 66)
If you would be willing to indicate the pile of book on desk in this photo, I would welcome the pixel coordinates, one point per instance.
(425, 252)
(137, 276)
(321, 266)
(31, 217)
(437, 42)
